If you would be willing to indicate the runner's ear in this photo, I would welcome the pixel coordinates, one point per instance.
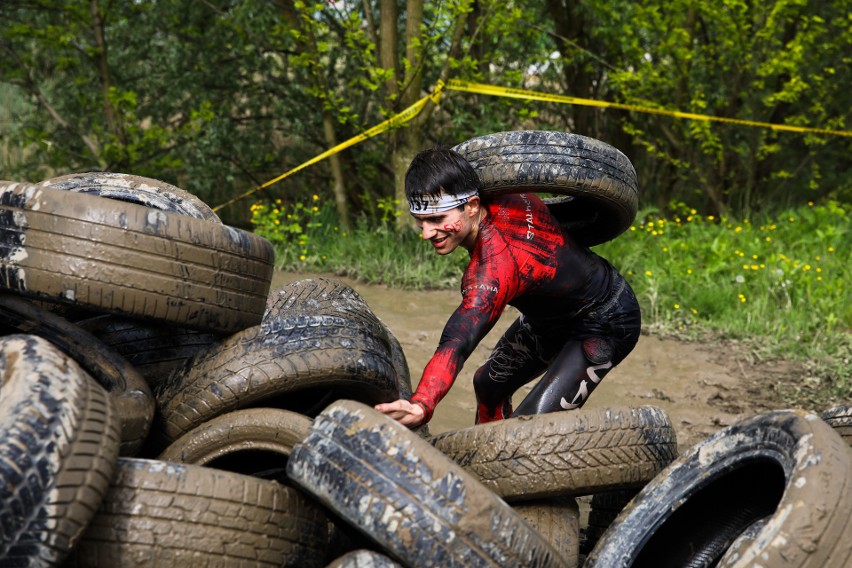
(475, 204)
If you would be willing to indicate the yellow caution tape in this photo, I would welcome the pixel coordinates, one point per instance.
(457, 85)
(393, 122)
(479, 88)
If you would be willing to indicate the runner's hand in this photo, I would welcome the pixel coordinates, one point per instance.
(404, 412)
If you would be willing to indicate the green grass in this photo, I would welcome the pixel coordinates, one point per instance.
(779, 285)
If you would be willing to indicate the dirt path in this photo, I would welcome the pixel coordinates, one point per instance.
(703, 387)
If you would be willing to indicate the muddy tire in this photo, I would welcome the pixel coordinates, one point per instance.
(132, 260)
(235, 437)
(580, 452)
(135, 189)
(286, 362)
(326, 296)
(60, 440)
(604, 508)
(596, 182)
(154, 350)
(363, 559)
(789, 466)
(413, 501)
(174, 515)
(128, 390)
(840, 418)
(558, 521)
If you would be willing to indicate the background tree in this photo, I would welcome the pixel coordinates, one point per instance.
(221, 96)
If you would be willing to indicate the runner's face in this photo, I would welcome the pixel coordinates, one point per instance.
(449, 229)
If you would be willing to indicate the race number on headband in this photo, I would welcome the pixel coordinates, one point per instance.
(427, 205)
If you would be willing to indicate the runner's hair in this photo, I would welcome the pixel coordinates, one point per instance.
(439, 170)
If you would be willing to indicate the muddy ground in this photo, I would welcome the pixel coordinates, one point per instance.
(703, 386)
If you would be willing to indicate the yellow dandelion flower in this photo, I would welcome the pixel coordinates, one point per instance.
(754, 267)
(694, 311)
(693, 211)
(817, 258)
(810, 203)
(315, 197)
(830, 249)
(710, 217)
(819, 277)
(738, 230)
(278, 201)
(277, 221)
(792, 219)
(665, 249)
(754, 256)
(302, 257)
(654, 233)
(677, 306)
(633, 227)
(768, 239)
(806, 267)
(315, 209)
(647, 273)
(819, 269)
(742, 298)
(689, 271)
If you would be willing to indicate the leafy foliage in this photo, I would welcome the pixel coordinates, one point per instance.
(221, 96)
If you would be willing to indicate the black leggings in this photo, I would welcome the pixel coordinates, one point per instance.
(572, 366)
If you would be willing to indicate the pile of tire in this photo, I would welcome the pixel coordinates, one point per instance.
(152, 385)
(161, 406)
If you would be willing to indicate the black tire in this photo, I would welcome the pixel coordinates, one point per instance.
(128, 390)
(155, 350)
(135, 189)
(604, 508)
(234, 440)
(578, 452)
(789, 466)
(127, 259)
(174, 515)
(326, 296)
(839, 417)
(746, 539)
(597, 181)
(421, 508)
(286, 362)
(558, 521)
(59, 440)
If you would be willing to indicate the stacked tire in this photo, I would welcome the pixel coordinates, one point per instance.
(152, 386)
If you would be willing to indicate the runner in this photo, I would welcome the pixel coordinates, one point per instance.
(579, 317)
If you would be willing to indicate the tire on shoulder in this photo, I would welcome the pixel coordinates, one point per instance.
(595, 182)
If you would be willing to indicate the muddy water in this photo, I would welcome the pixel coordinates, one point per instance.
(702, 389)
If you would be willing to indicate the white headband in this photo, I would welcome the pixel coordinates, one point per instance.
(428, 205)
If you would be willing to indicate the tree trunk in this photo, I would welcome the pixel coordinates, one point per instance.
(338, 186)
(111, 116)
